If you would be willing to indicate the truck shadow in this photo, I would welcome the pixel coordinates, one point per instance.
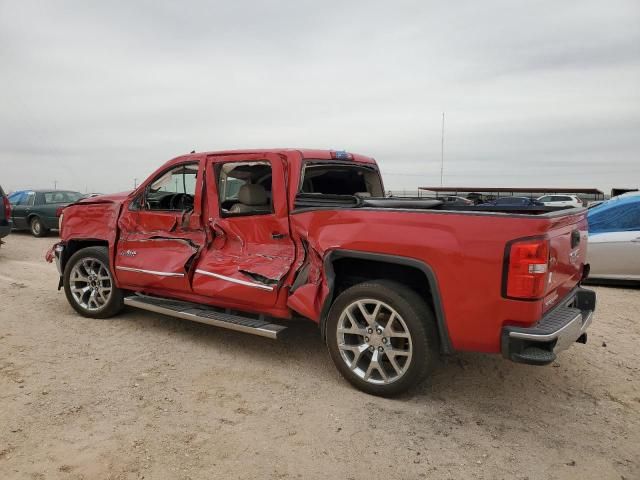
(482, 382)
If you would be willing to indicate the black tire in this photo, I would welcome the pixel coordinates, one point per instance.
(115, 301)
(419, 321)
(37, 228)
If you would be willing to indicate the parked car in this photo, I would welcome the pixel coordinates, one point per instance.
(560, 201)
(513, 202)
(252, 240)
(614, 239)
(38, 210)
(5, 215)
(476, 198)
(594, 203)
(453, 200)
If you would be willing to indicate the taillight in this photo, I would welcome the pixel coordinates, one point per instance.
(526, 268)
(7, 207)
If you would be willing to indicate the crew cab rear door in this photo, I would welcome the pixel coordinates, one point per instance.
(161, 231)
(250, 250)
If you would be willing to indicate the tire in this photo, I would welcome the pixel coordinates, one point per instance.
(37, 228)
(351, 337)
(89, 284)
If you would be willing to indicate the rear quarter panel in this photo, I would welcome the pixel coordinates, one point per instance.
(464, 250)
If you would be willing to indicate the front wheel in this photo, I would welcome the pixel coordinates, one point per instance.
(89, 284)
(382, 337)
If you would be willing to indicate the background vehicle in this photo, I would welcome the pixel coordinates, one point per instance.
(614, 239)
(561, 200)
(37, 210)
(513, 201)
(249, 240)
(5, 215)
(453, 200)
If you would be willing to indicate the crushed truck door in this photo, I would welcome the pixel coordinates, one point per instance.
(250, 250)
(161, 231)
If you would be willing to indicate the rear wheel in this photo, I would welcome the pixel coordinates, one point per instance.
(37, 227)
(382, 337)
(89, 284)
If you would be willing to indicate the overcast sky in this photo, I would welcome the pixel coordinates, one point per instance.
(536, 93)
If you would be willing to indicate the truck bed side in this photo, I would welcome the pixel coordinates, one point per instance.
(466, 252)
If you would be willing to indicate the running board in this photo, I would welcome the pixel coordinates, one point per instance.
(203, 314)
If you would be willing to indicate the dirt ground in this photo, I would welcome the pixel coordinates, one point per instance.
(146, 396)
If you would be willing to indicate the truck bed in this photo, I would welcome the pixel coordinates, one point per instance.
(306, 200)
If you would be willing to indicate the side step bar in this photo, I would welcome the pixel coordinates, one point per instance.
(204, 314)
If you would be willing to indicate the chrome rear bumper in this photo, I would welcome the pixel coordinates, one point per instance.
(556, 331)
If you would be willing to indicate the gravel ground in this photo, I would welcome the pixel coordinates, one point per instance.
(146, 396)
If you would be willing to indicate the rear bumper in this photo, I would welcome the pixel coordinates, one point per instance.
(556, 331)
(5, 230)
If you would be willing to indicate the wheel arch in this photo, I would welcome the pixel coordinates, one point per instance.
(72, 246)
(336, 269)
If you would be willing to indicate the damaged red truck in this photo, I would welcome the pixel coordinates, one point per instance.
(251, 240)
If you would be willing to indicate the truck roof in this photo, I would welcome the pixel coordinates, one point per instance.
(306, 154)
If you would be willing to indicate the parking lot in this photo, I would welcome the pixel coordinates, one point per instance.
(145, 396)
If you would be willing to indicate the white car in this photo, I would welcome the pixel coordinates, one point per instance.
(614, 239)
(560, 201)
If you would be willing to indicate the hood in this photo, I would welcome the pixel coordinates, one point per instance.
(110, 198)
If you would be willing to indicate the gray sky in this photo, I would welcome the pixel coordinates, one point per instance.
(536, 93)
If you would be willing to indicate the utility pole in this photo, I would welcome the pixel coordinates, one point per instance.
(135, 183)
(442, 152)
(55, 184)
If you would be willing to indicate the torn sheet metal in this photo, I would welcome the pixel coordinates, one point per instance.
(155, 262)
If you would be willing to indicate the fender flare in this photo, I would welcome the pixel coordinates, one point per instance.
(333, 255)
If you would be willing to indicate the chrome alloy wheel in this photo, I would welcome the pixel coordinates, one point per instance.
(374, 341)
(90, 284)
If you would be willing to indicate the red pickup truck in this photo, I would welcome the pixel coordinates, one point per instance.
(249, 240)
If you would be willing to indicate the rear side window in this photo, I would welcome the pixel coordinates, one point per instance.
(244, 188)
(619, 218)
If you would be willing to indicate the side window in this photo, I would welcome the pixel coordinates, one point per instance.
(173, 190)
(546, 198)
(60, 197)
(244, 188)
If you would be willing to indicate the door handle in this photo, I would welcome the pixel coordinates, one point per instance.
(277, 236)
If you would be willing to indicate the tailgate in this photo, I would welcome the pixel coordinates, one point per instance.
(567, 255)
